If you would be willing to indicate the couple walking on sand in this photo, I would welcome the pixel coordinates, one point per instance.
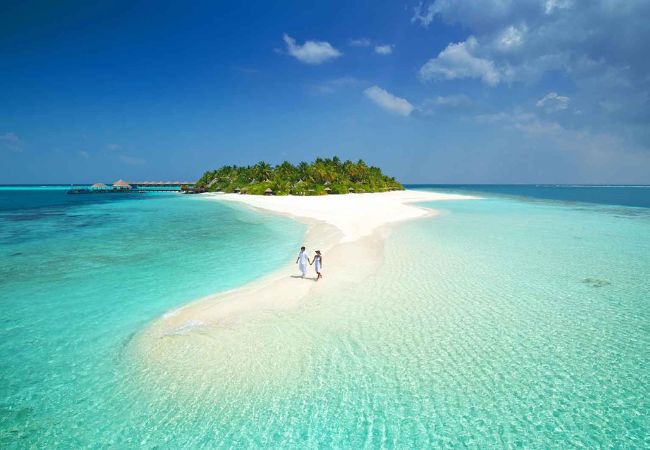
(303, 259)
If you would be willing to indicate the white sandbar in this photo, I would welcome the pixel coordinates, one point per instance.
(349, 229)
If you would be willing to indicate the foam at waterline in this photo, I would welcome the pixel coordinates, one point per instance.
(185, 328)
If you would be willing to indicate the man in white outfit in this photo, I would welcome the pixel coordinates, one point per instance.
(302, 261)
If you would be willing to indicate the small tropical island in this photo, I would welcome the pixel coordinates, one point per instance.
(321, 177)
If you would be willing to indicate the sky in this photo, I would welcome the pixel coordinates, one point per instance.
(490, 91)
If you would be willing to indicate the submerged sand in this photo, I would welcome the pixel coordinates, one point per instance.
(350, 231)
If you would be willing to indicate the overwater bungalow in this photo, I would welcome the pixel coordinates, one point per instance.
(121, 185)
(99, 187)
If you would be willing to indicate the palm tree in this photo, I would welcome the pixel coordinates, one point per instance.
(262, 171)
(309, 179)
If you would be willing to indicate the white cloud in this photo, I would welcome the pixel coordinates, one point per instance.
(311, 52)
(551, 5)
(361, 42)
(457, 61)
(511, 38)
(384, 49)
(424, 15)
(113, 147)
(388, 101)
(84, 154)
(11, 142)
(552, 102)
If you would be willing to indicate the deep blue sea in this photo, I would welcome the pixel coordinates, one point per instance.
(520, 320)
(638, 195)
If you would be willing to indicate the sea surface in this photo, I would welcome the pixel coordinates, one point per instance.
(516, 320)
(623, 195)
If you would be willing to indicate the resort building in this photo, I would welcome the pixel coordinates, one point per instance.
(121, 184)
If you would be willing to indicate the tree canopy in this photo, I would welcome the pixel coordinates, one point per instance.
(322, 176)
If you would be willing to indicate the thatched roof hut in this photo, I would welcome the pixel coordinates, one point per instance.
(328, 190)
(351, 189)
(98, 186)
(121, 184)
(268, 191)
(237, 191)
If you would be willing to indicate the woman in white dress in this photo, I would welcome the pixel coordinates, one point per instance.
(302, 261)
(318, 260)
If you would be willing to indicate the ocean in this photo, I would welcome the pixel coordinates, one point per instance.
(518, 320)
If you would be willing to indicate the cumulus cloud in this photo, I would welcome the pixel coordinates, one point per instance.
(388, 101)
(11, 142)
(113, 147)
(457, 61)
(551, 35)
(360, 42)
(552, 102)
(593, 45)
(383, 49)
(311, 52)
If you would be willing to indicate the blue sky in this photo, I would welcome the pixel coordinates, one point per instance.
(492, 91)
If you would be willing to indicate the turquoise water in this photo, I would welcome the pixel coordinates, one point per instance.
(499, 323)
(81, 274)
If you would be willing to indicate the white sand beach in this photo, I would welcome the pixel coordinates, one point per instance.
(354, 215)
(349, 230)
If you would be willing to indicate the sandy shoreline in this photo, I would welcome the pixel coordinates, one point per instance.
(354, 215)
(350, 231)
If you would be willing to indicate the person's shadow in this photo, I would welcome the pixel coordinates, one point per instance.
(304, 278)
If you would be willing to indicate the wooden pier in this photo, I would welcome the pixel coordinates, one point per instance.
(161, 186)
(126, 187)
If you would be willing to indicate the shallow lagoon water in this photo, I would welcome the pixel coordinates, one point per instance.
(497, 323)
(80, 275)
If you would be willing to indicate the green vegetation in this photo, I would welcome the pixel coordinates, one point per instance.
(321, 177)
